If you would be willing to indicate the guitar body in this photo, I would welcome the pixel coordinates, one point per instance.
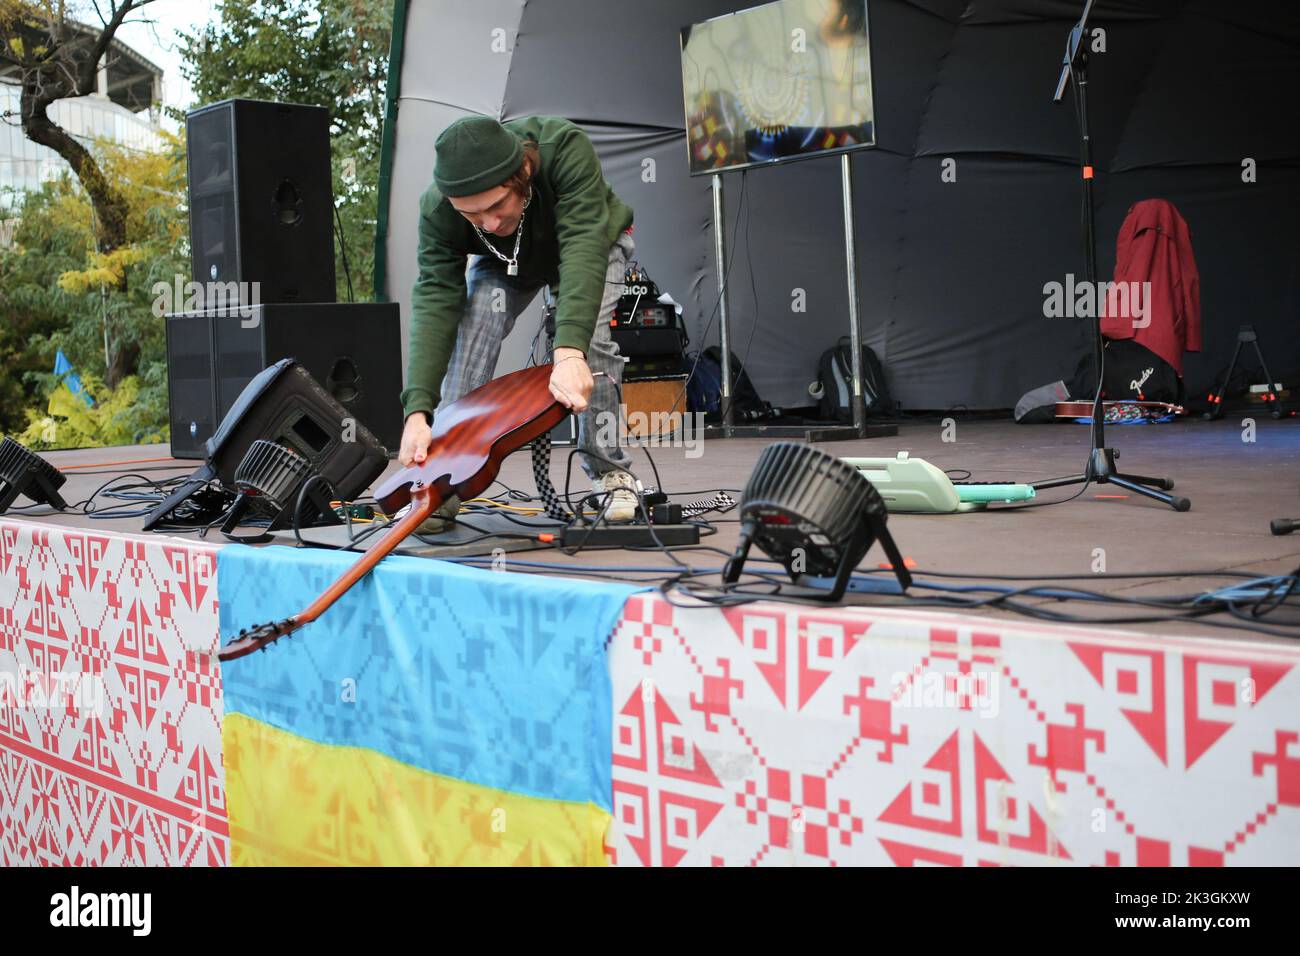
(1150, 409)
(471, 437)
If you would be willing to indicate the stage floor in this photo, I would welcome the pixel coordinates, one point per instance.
(1236, 488)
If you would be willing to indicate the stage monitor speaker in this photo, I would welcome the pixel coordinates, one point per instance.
(284, 404)
(262, 199)
(353, 349)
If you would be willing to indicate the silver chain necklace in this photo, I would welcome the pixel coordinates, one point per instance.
(512, 263)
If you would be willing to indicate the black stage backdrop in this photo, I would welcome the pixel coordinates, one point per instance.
(951, 274)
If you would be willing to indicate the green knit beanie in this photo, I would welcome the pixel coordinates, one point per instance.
(475, 153)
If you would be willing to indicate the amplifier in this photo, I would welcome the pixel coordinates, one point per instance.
(353, 349)
(654, 407)
(652, 315)
(637, 342)
(655, 366)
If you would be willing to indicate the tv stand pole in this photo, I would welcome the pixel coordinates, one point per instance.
(860, 428)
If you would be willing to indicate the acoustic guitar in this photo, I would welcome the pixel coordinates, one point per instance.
(471, 437)
(1123, 411)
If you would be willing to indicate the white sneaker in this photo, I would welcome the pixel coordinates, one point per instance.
(622, 502)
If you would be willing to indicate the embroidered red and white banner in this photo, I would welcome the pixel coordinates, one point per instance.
(772, 734)
(110, 700)
(765, 734)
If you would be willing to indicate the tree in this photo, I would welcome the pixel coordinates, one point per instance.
(58, 291)
(56, 58)
(331, 53)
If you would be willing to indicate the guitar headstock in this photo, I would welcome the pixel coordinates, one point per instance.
(257, 638)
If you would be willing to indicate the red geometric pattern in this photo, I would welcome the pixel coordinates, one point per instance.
(759, 735)
(769, 734)
(110, 714)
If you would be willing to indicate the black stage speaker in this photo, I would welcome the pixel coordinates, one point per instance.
(262, 199)
(353, 349)
(285, 405)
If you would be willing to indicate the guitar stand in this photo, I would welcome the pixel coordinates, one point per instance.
(1245, 335)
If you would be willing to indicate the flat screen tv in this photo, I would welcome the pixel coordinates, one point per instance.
(785, 81)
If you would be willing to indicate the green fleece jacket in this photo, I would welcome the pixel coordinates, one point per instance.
(569, 228)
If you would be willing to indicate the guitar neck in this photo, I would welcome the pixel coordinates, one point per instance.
(424, 500)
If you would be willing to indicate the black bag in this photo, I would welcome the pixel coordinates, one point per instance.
(746, 405)
(835, 371)
(704, 388)
(1135, 373)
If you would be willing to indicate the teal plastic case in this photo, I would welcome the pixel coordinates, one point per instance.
(913, 485)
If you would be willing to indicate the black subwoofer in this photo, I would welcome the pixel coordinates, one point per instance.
(354, 350)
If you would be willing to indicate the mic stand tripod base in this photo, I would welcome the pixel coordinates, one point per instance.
(1103, 471)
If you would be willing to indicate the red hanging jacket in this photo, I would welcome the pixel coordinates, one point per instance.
(1155, 246)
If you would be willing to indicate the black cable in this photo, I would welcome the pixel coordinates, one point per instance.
(1175, 607)
(618, 391)
(1111, 576)
(639, 500)
(87, 505)
(343, 249)
(753, 288)
(717, 303)
(1087, 482)
(541, 522)
(732, 596)
(483, 535)
(76, 472)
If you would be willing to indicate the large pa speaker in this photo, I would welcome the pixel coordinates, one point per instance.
(262, 199)
(353, 349)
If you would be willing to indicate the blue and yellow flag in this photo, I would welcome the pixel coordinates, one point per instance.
(436, 715)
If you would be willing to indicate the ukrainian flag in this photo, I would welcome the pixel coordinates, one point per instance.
(436, 715)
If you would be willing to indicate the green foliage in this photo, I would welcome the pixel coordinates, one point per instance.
(331, 53)
(118, 417)
(57, 292)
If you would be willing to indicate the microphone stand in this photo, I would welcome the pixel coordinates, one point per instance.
(1101, 468)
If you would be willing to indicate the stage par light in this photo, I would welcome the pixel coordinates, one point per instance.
(273, 478)
(23, 473)
(813, 513)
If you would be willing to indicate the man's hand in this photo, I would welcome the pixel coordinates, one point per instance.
(415, 440)
(571, 380)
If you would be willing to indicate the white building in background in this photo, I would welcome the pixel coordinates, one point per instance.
(124, 110)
